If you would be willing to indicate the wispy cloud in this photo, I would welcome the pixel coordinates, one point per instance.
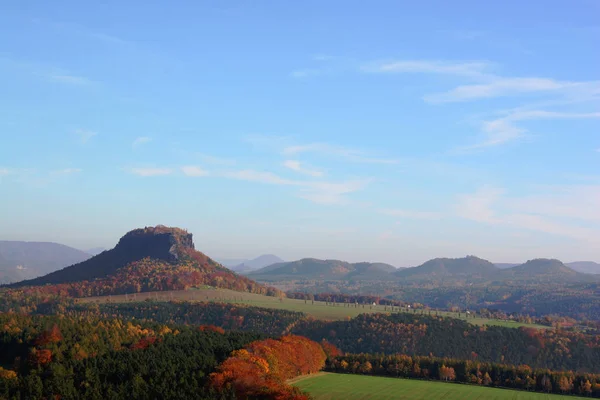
(327, 149)
(150, 171)
(412, 214)
(500, 86)
(260, 177)
(469, 69)
(505, 129)
(314, 191)
(85, 135)
(141, 140)
(331, 192)
(66, 171)
(192, 170)
(297, 166)
(69, 79)
(5, 172)
(563, 210)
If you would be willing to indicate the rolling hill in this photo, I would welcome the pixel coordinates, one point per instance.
(315, 269)
(25, 260)
(147, 259)
(257, 263)
(543, 269)
(586, 267)
(468, 268)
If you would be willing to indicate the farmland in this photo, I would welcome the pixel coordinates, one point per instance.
(326, 386)
(316, 309)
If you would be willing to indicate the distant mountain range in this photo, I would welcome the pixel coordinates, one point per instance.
(314, 269)
(439, 270)
(586, 267)
(246, 265)
(25, 260)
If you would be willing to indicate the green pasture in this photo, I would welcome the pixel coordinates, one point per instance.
(360, 387)
(317, 309)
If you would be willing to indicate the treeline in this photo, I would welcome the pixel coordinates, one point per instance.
(424, 335)
(224, 315)
(521, 377)
(46, 357)
(260, 370)
(346, 298)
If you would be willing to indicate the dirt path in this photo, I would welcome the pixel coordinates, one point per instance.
(303, 377)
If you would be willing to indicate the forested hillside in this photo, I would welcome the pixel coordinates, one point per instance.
(148, 259)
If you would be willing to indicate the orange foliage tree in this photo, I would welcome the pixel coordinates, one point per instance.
(261, 369)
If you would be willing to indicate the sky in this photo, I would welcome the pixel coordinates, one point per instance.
(389, 131)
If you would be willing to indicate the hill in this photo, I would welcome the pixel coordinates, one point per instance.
(542, 269)
(25, 260)
(586, 267)
(315, 269)
(94, 250)
(257, 263)
(152, 258)
(467, 268)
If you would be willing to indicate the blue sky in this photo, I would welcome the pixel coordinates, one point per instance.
(388, 131)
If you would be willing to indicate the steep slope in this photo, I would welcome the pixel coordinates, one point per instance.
(94, 250)
(24, 260)
(315, 269)
(257, 263)
(467, 268)
(542, 269)
(586, 267)
(155, 258)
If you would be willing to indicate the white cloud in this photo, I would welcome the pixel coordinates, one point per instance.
(66, 171)
(260, 177)
(150, 171)
(499, 87)
(191, 170)
(564, 210)
(412, 214)
(295, 165)
(502, 130)
(5, 171)
(478, 206)
(141, 140)
(330, 150)
(70, 79)
(468, 69)
(331, 193)
(315, 191)
(85, 135)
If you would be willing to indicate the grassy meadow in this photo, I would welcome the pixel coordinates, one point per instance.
(317, 309)
(326, 386)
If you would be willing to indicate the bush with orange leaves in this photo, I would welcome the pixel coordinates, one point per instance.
(261, 369)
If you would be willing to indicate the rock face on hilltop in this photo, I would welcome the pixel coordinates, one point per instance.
(147, 259)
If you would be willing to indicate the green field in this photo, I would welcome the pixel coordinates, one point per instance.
(360, 387)
(318, 309)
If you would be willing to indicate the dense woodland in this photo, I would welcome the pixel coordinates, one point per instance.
(446, 337)
(226, 316)
(76, 358)
(473, 372)
(404, 333)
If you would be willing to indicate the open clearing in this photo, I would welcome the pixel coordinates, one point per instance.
(354, 387)
(317, 309)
